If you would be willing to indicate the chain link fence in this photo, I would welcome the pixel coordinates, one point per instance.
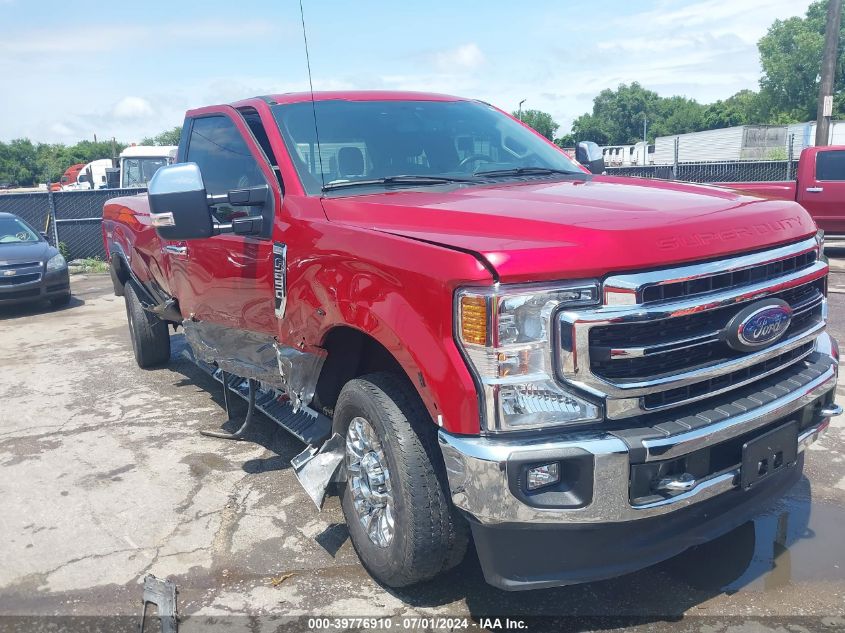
(704, 171)
(70, 219)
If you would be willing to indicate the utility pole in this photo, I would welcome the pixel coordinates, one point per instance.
(645, 140)
(828, 71)
(519, 110)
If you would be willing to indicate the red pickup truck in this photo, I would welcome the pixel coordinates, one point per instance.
(473, 334)
(819, 187)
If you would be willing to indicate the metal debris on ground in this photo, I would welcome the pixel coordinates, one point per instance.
(161, 593)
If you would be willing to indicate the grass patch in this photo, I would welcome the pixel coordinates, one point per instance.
(90, 265)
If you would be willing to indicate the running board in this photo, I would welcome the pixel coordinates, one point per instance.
(307, 425)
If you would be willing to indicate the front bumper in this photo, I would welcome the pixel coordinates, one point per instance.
(598, 467)
(50, 285)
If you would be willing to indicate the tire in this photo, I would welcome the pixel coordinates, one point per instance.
(60, 302)
(428, 534)
(149, 334)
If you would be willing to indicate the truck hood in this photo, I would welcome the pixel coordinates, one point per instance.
(540, 230)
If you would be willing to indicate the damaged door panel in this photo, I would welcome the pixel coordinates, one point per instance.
(259, 356)
(239, 352)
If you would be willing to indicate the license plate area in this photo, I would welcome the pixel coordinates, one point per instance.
(771, 453)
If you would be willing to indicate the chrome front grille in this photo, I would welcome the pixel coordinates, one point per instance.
(686, 342)
(646, 350)
(735, 278)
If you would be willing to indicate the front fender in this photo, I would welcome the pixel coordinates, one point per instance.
(400, 293)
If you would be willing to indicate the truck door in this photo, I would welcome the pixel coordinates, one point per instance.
(821, 188)
(228, 279)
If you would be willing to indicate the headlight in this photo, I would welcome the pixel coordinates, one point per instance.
(56, 262)
(506, 332)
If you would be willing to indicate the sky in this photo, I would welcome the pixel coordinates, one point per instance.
(130, 69)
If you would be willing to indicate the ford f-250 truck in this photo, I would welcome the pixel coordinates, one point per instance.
(473, 334)
(819, 187)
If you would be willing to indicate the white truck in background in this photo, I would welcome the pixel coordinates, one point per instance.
(92, 176)
(627, 155)
(138, 163)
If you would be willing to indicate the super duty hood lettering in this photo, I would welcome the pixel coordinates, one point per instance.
(772, 228)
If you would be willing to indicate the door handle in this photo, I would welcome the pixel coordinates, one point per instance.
(179, 251)
(815, 189)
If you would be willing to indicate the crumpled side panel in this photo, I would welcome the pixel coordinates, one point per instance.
(239, 352)
(299, 372)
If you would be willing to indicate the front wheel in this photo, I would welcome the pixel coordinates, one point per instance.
(400, 519)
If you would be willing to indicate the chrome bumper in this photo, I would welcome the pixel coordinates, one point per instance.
(478, 474)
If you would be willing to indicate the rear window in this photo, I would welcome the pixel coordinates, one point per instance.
(830, 165)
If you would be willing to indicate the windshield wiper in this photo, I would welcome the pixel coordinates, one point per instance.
(526, 171)
(408, 179)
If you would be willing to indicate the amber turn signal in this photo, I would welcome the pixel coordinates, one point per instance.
(474, 319)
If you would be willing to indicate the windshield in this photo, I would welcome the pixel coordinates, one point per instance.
(137, 172)
(375, 140)
(14, 231)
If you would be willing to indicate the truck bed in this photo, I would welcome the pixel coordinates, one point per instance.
(127, 232)
(782, 190)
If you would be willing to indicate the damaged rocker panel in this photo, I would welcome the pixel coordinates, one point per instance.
(259, 356)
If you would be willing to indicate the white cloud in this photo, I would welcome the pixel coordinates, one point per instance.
(464, 57)
(132, 108)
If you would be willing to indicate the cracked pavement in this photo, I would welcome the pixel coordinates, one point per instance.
(104, 478)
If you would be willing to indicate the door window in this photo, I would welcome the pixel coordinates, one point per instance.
(225, 161)
(830, 165)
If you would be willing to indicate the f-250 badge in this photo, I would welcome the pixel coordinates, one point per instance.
(280, 278)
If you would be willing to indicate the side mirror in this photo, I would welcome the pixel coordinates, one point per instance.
(589, 154)
(179, 208)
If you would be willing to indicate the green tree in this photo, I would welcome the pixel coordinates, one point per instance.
(617, 116)
(790, 56)
(19, 162)
(675, 115)
(541, 121)
(589, 128)
(27, 164)
(740, 109)
(168, 137)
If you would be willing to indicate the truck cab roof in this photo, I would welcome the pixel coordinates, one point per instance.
(349, 95)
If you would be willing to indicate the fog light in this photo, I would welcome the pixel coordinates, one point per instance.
(544, 475)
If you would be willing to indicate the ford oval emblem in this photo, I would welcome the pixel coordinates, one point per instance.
(760, 324)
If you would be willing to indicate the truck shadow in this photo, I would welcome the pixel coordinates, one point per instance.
(262, 431)
(755, 557)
